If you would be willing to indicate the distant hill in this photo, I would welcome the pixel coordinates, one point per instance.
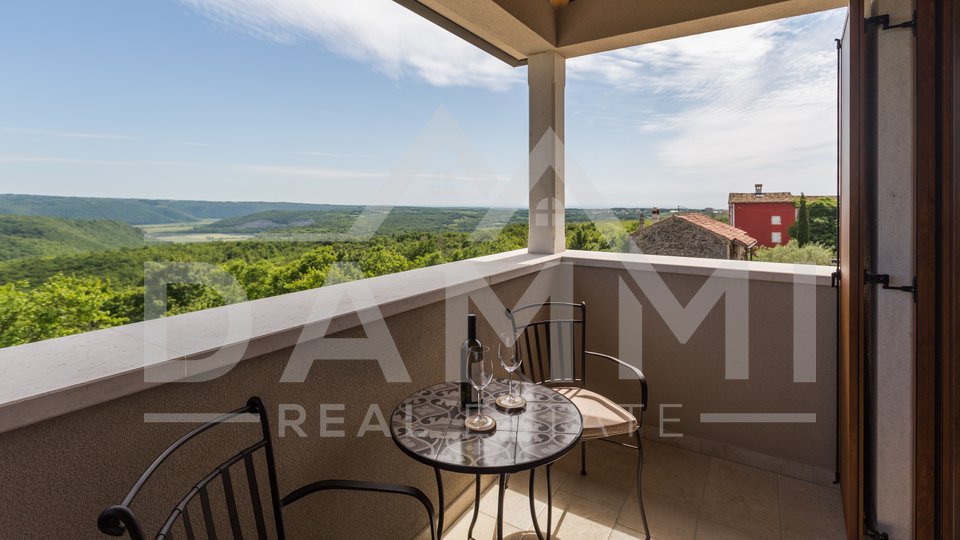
(342, 219)
(386, 220)
(139, 211)
(35, 236)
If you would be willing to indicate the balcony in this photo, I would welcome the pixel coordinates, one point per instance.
(687, 495)
(82, 416)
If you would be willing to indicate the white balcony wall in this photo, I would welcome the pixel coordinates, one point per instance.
(59, 473)
(691, 378)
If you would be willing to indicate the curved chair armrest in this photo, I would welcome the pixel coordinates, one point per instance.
(635, 370)
(357, 485)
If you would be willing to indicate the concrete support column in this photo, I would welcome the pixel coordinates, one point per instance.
(546, 76)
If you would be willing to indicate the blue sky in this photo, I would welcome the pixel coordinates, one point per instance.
(360, 101)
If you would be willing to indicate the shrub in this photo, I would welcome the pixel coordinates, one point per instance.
(792, 253)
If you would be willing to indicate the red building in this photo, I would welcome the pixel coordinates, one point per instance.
(764, 216)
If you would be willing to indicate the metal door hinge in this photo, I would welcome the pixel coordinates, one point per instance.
(884, 281)
(883, 21)
(835, 279)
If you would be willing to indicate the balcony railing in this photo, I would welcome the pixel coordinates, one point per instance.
(740, 358)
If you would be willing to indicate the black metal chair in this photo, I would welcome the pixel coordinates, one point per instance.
(556, 356)
(120, 519)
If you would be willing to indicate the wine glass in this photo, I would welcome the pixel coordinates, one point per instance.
(481, 374)
(510, 358)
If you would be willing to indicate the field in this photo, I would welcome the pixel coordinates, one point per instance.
(164, 229)
(191, 238)
(185, 233)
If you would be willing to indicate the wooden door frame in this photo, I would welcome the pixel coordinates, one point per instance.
(949, 369)
(927, 152)
(937, 447)
(851, 376)
(937, 233)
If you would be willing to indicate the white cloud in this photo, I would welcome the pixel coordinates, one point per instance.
(395, 40)
(694, 67)
(729, 108)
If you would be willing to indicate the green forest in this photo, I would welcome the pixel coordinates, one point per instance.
(66, 275)
(52, 296)
(32, 236)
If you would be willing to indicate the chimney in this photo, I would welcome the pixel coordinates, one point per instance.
(759, 189)
(655, 215)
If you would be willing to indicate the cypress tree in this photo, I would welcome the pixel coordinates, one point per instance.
(803, 222)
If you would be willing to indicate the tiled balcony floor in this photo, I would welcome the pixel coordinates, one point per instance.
(687, 496)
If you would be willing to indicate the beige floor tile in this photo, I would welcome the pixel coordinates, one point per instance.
(569, 462)
(674, 472)
(516, 504)
(620, 532)
(520, 482)
(485, 529)
(810, 511)
(792, 485)
(611, 475)
(669, 519)
(743, 498)
(598, 452)
(557, 479)
(687, 496)
(709, 530)
(576, 518)
(605, 490)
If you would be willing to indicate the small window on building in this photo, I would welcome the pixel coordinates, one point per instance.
(774, 220)
(775, 238)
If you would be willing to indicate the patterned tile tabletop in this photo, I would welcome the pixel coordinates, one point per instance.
(429, 425)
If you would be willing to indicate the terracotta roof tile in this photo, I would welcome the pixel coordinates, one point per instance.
(719, 228)
(773, 197)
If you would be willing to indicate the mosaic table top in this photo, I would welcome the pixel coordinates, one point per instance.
(429, 426)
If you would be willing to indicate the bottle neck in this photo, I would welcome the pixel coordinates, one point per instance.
(472, 327)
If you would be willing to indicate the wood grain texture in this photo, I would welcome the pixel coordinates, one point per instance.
(949, 312)
(927, 154)
(851, 291)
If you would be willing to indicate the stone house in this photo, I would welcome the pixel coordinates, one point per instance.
(694, 235)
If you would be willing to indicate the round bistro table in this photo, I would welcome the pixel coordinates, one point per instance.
(429, 427)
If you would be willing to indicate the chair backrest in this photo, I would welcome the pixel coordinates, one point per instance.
(552, 339)
(217, 512)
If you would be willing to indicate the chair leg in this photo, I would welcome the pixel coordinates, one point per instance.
(643, 513)
(583, 458)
